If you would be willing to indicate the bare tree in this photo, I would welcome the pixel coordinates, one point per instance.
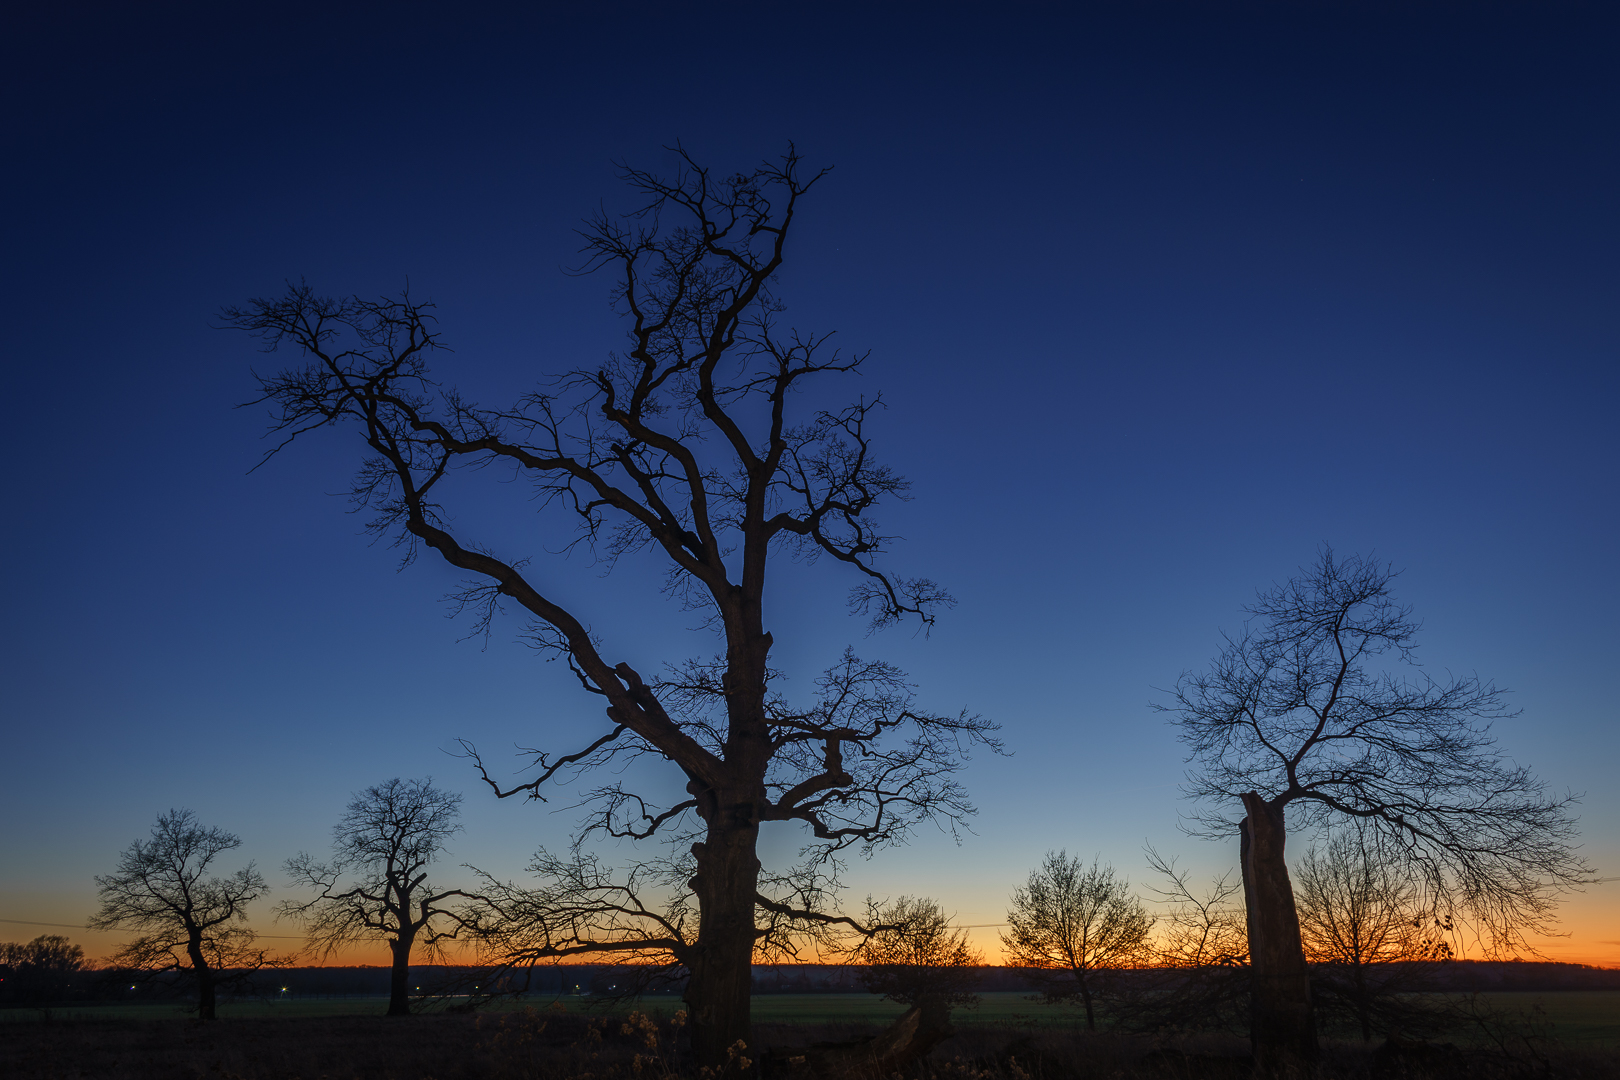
(1370, 934)
(1074, 926)
(1197, 929)
(1310, 707)
(916, 957)
(189, 921)
(1198, 957)
(684, 446)
(376, 885)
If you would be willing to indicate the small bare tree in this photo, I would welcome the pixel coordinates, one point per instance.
(1370, 933)
(376, 885)
(916, 957)
(685, 445)
(189, 921)
(1197, 929)
(1198, 956)
(1074, 926)
(1309, 708)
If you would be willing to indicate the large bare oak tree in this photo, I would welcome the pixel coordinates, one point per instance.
(376, 884)
(1317, 708)
(685, 445)
(189, 919)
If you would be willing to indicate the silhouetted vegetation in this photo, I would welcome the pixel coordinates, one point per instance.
(687, 445)
(552, 1044)
(376, 885)
(189, 920)
(1074, 928)
(1302, 710)
(42, 972)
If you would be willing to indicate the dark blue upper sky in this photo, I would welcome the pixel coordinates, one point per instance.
(1160, 298)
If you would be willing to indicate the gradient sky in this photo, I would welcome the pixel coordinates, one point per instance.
(1160, 298)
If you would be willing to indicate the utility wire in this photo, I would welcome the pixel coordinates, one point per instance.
(80, 926)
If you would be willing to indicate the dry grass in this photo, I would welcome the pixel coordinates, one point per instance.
(556, 1045)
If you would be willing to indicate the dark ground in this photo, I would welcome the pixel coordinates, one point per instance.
(537, 1045)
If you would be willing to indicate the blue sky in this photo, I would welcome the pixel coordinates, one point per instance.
(1160, 298)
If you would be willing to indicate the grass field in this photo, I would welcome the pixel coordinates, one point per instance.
(1578, 1017)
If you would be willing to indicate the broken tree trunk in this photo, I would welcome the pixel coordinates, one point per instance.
(1282, 1023)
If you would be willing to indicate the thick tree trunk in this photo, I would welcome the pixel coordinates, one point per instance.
(399, 978)
(1282, 1023)
(718, 992)
(205, 979)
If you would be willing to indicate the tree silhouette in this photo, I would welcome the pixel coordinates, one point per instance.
(376, 885)
(916, 957)
(685, 446)
(39, 972)
(1074, 926)
(1309, 707)
(189, 921)
(1370, 934)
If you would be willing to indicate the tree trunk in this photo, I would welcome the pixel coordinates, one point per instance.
(1282, 1023)
(1085, 996)
(727, 880)
(399, 979)
(205, 979)
(1363, 1002)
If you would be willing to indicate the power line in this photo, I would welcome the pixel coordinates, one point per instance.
(81, 926)
(30, 922)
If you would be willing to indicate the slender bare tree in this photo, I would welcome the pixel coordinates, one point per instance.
(1317, 706)
(189, 921)
(376, 885)
(1370, 934)
(916, 957)
(1075, 926)
(1199, 955)
(686, 446)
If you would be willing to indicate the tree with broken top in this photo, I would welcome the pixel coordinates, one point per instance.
(684, 446)
(1317, 707)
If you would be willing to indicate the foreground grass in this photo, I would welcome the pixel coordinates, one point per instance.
(559, 1044)
(1577, 1017)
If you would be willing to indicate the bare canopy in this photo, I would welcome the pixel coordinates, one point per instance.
(1074, 926)
(189, 919)
(376, 884)
(685, 446)
(1318, 707)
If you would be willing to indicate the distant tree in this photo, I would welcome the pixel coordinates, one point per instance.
(1074, 926)
(189, 920)
(1199, 955)
(688, 446)
(1307, 707)
(376, 885)
(915, 957)
(1197, 929)
(39, 972)
(1369, 934)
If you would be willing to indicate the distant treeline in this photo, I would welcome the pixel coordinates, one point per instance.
(599, 980)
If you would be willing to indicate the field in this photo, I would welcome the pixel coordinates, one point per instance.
(1008, 1037)
(1589, 1018)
